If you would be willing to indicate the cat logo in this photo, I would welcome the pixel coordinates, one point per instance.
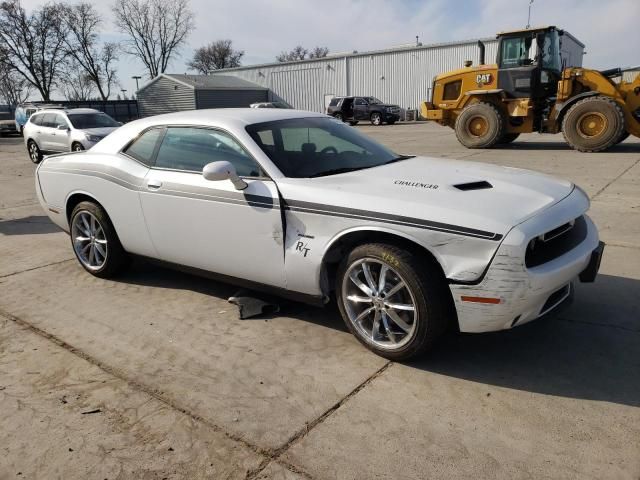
(483, 79)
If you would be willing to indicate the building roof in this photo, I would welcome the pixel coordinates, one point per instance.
(338, 56)
(207, 82)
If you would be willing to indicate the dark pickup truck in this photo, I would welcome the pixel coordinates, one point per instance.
(354, 109)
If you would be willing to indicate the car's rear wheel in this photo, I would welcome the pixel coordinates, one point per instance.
(77, 147)
(376, 119)
(338, 116)
(34, 151)
(393, 302)
(95, 241)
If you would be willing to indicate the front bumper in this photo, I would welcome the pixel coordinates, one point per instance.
(526, 293)
(391, 117)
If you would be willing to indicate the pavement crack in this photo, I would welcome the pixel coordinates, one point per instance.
(303, 432)
(136, 385)
(615, 179)
(36, 268)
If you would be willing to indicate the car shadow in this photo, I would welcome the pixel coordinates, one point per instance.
(587, 354)
(31, 225)
(591, 354)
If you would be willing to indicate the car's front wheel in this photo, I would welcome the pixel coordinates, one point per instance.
(34, 152)
(394, 302)
(77, 147)
(95, 241)
(376, 119)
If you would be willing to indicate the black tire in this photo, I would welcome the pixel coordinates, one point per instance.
(76, 147)
(508, 138)
(116, 259)
(35, 154)
(338, 116)
(353, 123)
(375, 118)
(623, 137)
(429, 294)
(593, 124)
(480, 125)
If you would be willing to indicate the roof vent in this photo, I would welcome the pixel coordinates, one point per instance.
(474, 185)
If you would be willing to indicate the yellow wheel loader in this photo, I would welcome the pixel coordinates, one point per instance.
(537, 85)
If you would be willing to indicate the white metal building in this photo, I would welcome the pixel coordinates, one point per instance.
(402, 76)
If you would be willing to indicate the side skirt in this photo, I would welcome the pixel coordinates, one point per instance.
(314, 300)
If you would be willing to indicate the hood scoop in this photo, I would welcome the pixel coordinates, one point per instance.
(482, 185)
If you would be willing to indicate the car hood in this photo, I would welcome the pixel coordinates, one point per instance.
(436, 190)
(99, 132)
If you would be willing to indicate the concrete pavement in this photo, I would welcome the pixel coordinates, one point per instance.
(185, 389)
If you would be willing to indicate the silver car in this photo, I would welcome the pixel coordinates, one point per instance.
(63, 130)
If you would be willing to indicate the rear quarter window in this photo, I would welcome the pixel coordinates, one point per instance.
(334, 102)
(143, 148)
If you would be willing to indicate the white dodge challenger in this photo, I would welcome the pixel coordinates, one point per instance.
(299, 204)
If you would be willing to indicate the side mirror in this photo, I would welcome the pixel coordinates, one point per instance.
(223, 170)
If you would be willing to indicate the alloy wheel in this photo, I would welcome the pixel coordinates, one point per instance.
(376, 118)
(89, 240)
(34, 152)
(379, 303)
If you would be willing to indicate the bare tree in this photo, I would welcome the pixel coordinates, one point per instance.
(155, 29)
(33, 45)
(14, 89)
(301, 53)
(82, 22)
(319, 52)
(216, 55)
(75, 83)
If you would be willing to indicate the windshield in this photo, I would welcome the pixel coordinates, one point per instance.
(83, 121)
(313, 147)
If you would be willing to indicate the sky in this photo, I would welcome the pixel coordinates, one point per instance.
(263, 29)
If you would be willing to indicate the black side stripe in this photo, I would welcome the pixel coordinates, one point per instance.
(320, 209)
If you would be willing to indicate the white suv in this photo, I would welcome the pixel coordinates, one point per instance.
(64, 130)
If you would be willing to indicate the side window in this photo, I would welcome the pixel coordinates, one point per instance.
(360, 101)
(48, 120)
(334, 102)
(60, 121)
(36, 119)
(187, 148)
(143, 147)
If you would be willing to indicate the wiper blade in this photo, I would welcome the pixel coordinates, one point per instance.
(335, 171)
(397, 159)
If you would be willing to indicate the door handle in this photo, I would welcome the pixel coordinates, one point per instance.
(154, 184)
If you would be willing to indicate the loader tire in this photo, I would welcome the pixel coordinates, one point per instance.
(480, 125)
(623, 137)
(593, 124)
(508, 138)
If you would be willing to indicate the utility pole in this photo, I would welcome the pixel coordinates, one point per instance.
(529, 16)
(136, 78)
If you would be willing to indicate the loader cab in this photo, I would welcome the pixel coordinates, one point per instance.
(529, 62)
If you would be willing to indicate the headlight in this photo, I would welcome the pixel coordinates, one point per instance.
(92, 138)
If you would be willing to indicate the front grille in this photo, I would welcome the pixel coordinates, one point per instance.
(394, 110)
(556, 242)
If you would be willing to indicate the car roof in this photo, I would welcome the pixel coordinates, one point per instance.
(220, 116)
(68, 111)
(232, 119)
